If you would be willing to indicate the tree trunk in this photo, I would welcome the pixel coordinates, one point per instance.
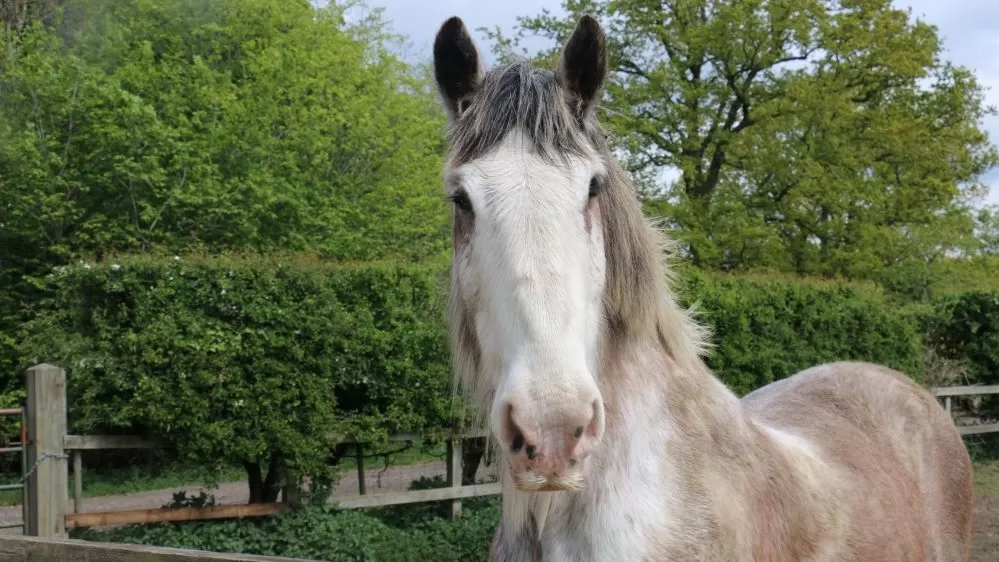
(471, 457)
(264, 489)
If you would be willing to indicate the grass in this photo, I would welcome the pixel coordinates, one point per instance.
(985, 543)
(398, 534)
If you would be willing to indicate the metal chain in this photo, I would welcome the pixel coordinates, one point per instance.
(43, 456)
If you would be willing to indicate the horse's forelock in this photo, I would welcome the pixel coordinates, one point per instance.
(517, 96)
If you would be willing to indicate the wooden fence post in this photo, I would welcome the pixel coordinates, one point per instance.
(359, 456)
(454, 471)
(47, 495)
(291, 493)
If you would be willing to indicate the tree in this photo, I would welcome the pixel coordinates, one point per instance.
(819, 137)
(18, 14)
(988, 230)
(263, 124)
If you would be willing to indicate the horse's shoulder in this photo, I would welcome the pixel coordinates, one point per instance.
(843, 392)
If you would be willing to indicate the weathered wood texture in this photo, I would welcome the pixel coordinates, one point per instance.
(35, 549)
(47, 495)
(965, 390)
(78, 518)
(948, 392)
(978, 429)
(98, 442)
(416, 496)
(454, 473)
(46, 389)
(159, 515)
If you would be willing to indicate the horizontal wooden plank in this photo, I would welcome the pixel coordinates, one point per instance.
(978, 429)
(965, 390)
(100, 442)
(14, 548)
(100, 518)
(96, 442)
(417, 496)
(401, 437)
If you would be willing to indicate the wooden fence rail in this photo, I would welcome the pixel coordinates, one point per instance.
(948, 392)
(37, 549)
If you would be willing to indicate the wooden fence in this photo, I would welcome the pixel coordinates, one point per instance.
(48, 449)
(949, 392)
(46, 505)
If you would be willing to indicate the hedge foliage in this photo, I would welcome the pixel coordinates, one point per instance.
(251, 359)
(765, 329)
(248, 359)
(965, 327)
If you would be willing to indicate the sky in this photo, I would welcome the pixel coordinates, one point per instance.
(969, 30)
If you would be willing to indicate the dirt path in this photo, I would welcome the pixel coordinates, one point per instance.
(395, 479)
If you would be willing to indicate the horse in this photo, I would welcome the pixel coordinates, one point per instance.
(616, 441)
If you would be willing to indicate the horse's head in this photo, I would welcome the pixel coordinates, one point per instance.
(525, 172)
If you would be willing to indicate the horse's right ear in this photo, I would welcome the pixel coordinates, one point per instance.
(458, 68)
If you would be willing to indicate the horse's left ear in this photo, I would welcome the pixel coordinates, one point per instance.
(583, 65)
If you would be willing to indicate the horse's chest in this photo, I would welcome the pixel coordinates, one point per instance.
(614, 541)
(619, 531)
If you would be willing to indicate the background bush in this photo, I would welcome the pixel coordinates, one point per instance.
(765, 329)
(263, 362)
(267, 362)
(242, 355)
(965, 326)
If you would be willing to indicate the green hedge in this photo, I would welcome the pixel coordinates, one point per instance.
(248, 359)
(366, 344)
(965, 327)
(765, 329)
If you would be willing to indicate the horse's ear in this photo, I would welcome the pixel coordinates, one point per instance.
(583, 65)
(458, 68)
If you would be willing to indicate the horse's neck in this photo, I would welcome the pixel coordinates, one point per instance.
(672, 433)
(713, 464)
(668, 403)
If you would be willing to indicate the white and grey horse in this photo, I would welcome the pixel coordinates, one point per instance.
(617, 443)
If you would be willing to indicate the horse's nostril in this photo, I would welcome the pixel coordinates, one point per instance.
(518, 443)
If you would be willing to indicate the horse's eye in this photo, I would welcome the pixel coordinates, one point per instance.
(594, 187)
(461, 200)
